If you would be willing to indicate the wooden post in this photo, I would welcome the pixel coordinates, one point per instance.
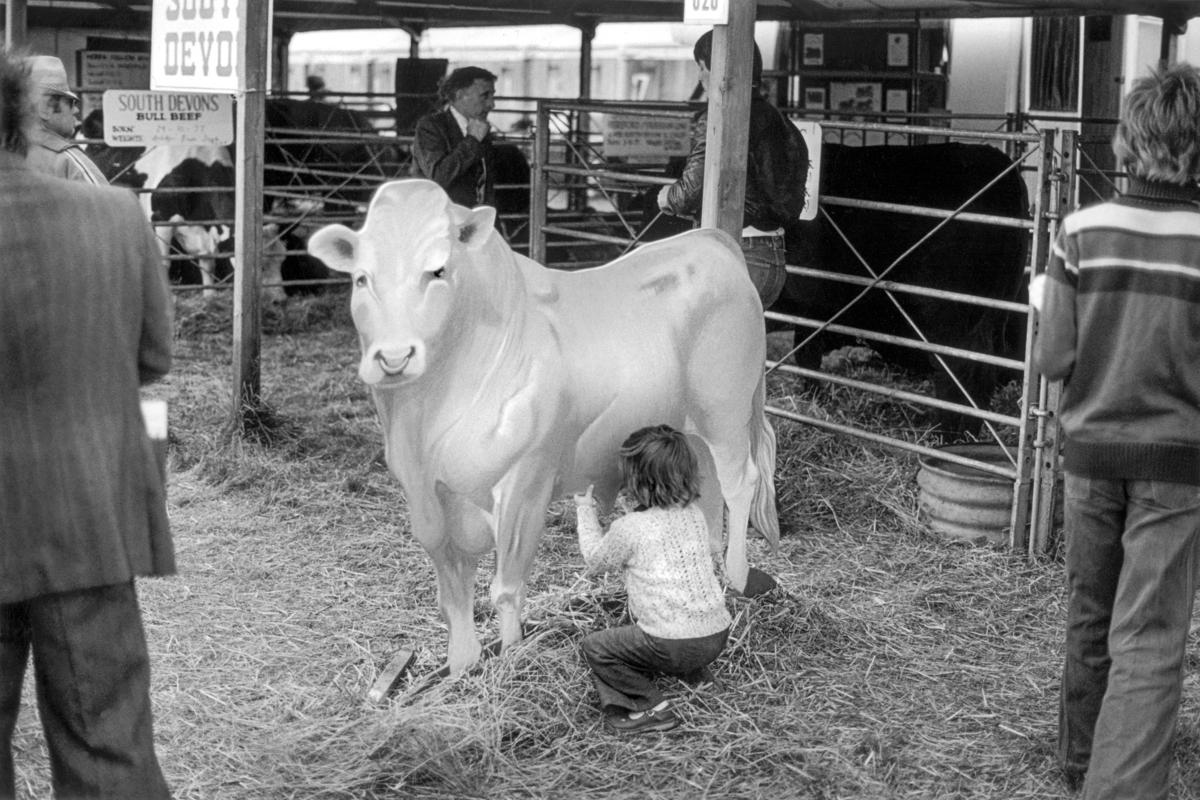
(728, 110)
(15, 27)
(248, 192)
(539, 188)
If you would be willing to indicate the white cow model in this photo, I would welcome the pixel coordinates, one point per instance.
(501, 384)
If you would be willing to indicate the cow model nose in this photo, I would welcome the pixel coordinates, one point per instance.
(394, 366)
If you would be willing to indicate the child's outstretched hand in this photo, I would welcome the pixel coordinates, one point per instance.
(585, 499)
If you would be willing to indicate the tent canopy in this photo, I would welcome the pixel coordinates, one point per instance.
(417, 15)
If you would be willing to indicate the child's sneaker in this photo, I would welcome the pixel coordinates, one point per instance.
(659, 718)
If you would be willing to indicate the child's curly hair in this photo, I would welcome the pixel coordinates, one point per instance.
(15, 108)
(658, 468)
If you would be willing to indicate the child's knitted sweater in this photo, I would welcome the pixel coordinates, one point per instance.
(673, 591)
(1121, 324)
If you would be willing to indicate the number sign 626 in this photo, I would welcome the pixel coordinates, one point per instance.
(707, 12)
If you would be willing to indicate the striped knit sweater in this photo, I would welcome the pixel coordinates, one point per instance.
(1121, 325)
(673, 589)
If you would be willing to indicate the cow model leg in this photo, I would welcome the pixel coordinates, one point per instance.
(456, 599)
(455, 537)
(739, 478)
(520, 516)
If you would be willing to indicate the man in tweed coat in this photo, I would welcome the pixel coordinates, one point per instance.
(84, 320)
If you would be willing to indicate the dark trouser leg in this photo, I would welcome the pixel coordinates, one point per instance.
(1094, 515)
(14, 653)
(623, 663)
(625, 660)
(1131, 754)
(93, 679)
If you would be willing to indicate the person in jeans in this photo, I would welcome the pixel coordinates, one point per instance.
(675, 597)
(762, 239)
(1120, 325)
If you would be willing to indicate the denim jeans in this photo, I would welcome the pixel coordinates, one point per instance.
(625, 659)
(766, 261)
(93, 690)
(1131, 560)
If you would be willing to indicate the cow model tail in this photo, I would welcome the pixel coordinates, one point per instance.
(763, 514)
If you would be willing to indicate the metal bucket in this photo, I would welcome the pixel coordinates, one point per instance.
(964, 503)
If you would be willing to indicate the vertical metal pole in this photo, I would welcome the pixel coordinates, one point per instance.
(577, 197)
(727, 137)
(15, 27)
(248, 193)
(1026, 491)
(1046, 476)
(281, 55)
(539, 189)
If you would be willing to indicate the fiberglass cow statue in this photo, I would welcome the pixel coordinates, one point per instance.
(501, 384)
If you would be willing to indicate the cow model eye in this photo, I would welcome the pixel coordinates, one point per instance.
(360, 281)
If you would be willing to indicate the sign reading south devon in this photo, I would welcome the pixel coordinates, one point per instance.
(194, 45)
(143, 119)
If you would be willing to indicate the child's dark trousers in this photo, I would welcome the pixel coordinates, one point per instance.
(624, 661)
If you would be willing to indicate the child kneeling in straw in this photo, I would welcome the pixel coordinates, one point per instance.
(674, 594)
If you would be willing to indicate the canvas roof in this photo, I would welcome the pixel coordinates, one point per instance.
(418, 15)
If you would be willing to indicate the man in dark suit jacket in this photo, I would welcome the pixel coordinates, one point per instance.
(454, 146)
(85, 319)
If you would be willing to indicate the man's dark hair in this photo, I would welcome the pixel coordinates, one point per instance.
(460, 79)
(702, 53)
(15, 108)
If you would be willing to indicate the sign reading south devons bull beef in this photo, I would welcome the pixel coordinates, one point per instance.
(142, 119)
(194, 45)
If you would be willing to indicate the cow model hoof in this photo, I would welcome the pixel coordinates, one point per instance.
(757, 583)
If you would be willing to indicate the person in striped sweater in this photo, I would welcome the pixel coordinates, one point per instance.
(675, 596)
(1119, 323)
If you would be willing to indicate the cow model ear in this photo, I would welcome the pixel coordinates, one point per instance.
(337, 246)
(475, 226)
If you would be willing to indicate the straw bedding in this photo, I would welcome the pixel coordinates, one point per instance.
(889, 664)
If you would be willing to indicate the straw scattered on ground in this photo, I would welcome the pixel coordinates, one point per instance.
(889, 663)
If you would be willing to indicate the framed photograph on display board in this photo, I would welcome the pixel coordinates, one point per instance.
(849, 98)
(814, 97)
(814, 49)
(897, 50)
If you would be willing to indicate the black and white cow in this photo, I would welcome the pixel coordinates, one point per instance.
(192, 190)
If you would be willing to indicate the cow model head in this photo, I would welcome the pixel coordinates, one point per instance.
(404, 281)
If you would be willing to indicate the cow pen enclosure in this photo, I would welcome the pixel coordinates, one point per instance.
(1017, 422)
(585, 209)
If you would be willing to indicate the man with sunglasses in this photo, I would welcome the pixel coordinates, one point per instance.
(53, 149)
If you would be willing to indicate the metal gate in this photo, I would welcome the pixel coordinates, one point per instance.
(573, 164)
